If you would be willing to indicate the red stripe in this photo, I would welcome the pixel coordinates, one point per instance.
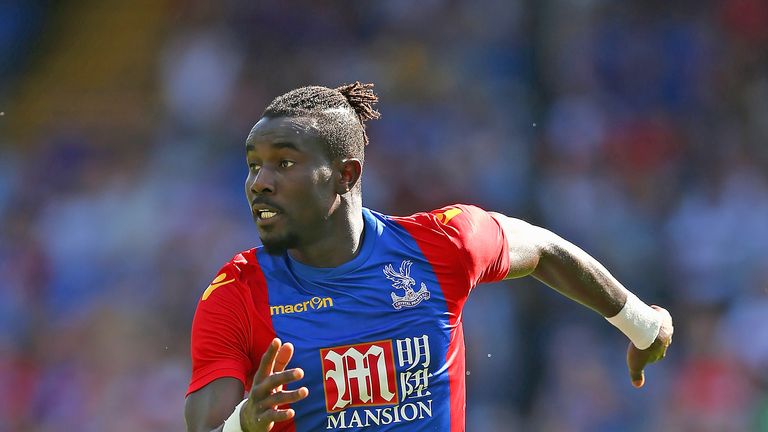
(262, 330)
(443, 256)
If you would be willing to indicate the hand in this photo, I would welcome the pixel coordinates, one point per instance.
(637, 359)
(261, 410)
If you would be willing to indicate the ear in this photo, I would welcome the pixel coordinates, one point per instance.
(350, 169)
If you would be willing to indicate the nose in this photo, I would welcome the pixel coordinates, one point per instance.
(262, 182)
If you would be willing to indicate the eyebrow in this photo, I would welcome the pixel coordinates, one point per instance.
(276, 145)
(284, 145)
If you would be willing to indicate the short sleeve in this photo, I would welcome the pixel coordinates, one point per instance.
(221, 332)
(481, 241)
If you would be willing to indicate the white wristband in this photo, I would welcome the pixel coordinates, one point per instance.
(232, 424)
(637, 320)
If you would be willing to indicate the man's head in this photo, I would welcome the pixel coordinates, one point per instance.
(305, 159)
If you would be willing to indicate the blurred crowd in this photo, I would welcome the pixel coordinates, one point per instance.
(636, 129)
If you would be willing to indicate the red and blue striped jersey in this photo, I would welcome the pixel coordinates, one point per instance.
(379, 337)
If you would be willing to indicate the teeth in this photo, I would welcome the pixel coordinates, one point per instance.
(265, 214)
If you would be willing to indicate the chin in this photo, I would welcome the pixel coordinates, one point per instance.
(274, 249)
(279, 246)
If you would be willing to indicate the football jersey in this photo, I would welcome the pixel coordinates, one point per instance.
(379, 337)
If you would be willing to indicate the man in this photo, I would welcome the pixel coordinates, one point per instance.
(369, 305)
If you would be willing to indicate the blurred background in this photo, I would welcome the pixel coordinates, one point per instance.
(636, 129)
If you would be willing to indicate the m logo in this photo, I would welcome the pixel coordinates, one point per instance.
(403, 280)
(359, 375)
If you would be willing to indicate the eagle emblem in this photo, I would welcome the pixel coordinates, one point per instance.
(402, 280)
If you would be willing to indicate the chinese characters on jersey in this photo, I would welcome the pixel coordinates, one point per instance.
(366, 374)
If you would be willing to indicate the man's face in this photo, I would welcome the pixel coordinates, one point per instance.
(290, 184)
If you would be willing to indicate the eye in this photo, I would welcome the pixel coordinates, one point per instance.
(285, 163)
(253, 166)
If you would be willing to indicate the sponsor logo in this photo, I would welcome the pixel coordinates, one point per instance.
(377, 383)
(312, 304)
(359, 375)
(407, 412)
(447, 215)
(219, 281)
(413, 356)
(402, 280)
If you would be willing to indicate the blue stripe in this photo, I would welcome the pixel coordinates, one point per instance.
(352, 304)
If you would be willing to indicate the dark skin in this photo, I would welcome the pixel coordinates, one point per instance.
(318, 221)
(318, 208)
(572, 272)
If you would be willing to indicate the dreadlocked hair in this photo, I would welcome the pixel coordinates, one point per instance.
(361, 97)
(331, 110)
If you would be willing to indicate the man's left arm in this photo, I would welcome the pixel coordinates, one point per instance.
(565, 267)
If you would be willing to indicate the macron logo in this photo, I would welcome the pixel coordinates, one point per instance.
(219, 281)
(306, 306)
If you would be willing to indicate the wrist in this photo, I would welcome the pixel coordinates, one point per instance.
(232, 424)
(638, 321)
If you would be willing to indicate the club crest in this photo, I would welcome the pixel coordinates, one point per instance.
(402, 280)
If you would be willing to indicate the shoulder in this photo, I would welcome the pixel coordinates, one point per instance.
(442, 220)
(242, 273)
(453, 226)
(243, 263)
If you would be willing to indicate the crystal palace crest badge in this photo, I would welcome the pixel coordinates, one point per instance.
(402, 280)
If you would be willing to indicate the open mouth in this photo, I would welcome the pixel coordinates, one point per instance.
(266, 214)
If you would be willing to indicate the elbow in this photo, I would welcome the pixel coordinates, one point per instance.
(551, 253)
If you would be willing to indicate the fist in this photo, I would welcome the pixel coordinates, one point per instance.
(637, 359)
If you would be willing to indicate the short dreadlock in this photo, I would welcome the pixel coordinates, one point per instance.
(331, 108)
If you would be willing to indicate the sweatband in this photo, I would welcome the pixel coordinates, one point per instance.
(637, 320)
(232, 424)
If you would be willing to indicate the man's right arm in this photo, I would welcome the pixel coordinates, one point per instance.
(220, 352)
(206, 409)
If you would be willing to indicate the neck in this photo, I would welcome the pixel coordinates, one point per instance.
(340, 243)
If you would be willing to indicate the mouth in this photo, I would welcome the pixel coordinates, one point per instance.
(265, 214)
